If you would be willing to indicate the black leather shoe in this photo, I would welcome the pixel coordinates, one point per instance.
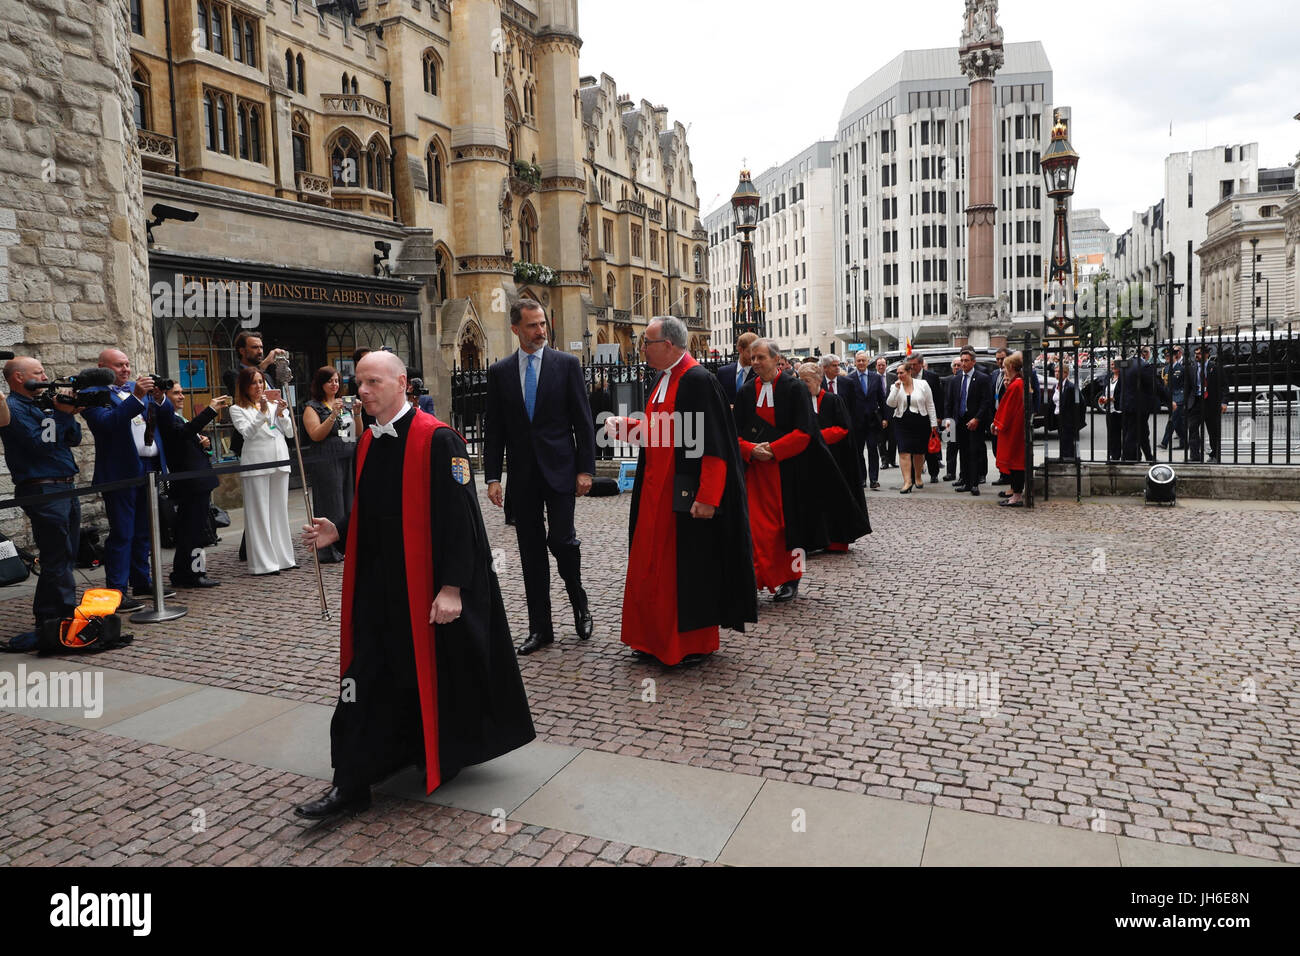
(975, 491)
(202, 581)
(875, 486)
(692, 659)
(1002, 481)
(950, 477)
(583, 622)
(786, 592)
(535, 642)
(962, 488)
(148, 592)
(332, 803)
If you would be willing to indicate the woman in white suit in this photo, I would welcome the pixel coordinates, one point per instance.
(264, 428)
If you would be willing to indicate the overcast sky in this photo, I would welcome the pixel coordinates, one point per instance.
(1220, 73)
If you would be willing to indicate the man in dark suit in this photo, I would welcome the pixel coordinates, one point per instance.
(1206, 403)
(186, 449)
(126, 446)
(734, 374)
(1175, 382)
(932, 459)
(886, 444)
(539, 417)
(973, 411)
(1140, 394)
(950, 405)
(872, 414)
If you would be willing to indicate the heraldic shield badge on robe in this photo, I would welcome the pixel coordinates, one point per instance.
(460, 470)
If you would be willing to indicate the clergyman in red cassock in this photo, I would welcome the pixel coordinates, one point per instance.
(689, 569)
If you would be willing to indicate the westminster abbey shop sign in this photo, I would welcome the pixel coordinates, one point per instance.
(193, 287)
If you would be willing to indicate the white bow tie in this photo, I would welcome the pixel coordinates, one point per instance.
(379, 431)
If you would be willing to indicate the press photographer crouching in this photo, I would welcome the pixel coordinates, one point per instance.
(38, 437)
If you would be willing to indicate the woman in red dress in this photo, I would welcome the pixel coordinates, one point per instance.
(1010, 421)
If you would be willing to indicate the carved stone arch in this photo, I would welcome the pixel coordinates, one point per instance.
(471, 343)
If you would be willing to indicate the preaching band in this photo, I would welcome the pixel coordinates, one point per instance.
(428, 675)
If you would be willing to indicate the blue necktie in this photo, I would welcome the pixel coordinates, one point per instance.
(530, 387)
(965, 381)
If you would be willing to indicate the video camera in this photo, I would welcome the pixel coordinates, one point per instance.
(416, 387)
(90, 388)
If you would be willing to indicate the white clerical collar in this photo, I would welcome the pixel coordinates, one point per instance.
(396, 418)
(765, 395)
(661, 393)
(817, 403)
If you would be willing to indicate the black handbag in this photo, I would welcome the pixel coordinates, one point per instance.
(13, 569)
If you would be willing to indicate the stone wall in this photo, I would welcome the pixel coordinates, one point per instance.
(73, 265)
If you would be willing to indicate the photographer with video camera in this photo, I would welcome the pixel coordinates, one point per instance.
(39, 432)
(127, 446)
(416, 393)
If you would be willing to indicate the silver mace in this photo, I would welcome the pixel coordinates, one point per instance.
(283, 376)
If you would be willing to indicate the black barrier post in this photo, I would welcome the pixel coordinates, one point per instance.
(1026, 370)
(160, 612)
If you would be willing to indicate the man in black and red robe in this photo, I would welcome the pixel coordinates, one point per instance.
(429, 675)
(794, 490)
(836, 430)
(689, 569)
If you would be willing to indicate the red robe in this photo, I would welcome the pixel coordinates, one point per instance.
(774, 563)
(650, 588)
(416, 520)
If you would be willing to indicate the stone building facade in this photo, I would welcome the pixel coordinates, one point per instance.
(395, 180)
(647, 249)
(73, 273)
(1243, 264)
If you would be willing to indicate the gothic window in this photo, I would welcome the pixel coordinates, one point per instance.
(527, 234)
(376, 161)
(345, 84)
(433, 168)
(137, 21)
(609, 289)
(288, 70)
(202, 20)
(140, 98)
(301, 143)
(216, 28)
(430, 71)
(345, 159)
(302, 75)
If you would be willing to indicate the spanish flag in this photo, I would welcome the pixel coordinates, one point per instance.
(909, 345)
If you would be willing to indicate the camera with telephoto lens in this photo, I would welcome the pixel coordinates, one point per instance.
(166, 384)
(416, 387)
(89, 388)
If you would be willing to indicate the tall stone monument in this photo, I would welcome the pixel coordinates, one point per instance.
(978, 317)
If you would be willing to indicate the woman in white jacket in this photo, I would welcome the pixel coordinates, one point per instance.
(266, 491)
(914, 417)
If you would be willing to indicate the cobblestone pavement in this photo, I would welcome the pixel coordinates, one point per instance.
(1146, 664)
(151, 805)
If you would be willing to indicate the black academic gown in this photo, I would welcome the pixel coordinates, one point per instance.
(814, 495)
(482, 709)
(833, 414)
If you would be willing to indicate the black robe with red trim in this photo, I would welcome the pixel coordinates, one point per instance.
(837, 433)
(814, 494)
(445, 696)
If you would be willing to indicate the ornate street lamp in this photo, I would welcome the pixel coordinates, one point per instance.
(747, 312)
(855, 270)
(1059, 165)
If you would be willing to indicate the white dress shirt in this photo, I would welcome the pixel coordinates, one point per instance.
(523, 369)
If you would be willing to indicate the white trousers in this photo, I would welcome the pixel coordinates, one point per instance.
(267, 538)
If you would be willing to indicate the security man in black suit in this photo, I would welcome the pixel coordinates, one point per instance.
(973, 411)
(539, 417)
(1205, 403)
(1141, 393)
(183, 445)
(734, 374)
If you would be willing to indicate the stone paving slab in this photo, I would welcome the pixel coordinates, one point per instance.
(1146, 853)
(297, 740)
(798, 825)
(124, 695)
(498, 786)
(683, 810)
(965, 839)
(203, 719)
